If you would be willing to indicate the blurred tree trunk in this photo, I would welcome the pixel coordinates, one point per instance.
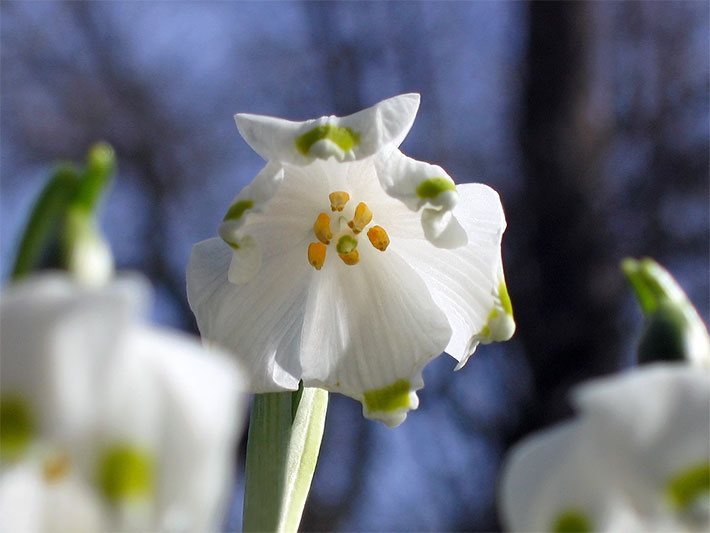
(566, 283)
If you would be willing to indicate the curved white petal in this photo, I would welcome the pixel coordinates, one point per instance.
(260, 320)
(418, 184)
(558, 473)
(368, 332)
(199, 419)
(467, 282)
(31, 504)
(56, 337)
(656, 420)
(347, 138)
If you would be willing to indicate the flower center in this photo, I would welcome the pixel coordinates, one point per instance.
(344, 232)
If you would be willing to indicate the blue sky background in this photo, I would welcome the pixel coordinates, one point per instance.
(162, 80)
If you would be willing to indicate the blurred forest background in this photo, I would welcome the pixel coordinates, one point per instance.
(591, 119)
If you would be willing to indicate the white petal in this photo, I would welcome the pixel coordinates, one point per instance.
(369, 330)
(363, 133)
(418, 184)
(28, 503)
(200, 416)
(251, 199)
(55, 339)
(559, 471)
(656, 420)
(465, 282)
(260, 320)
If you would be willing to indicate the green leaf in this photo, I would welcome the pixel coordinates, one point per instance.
(45, 221)
(285, 433)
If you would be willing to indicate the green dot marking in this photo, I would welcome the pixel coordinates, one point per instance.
(125, 472)
(237, 209)
(390, 398)
(17, 427)
(691, 483)
(433, 187)
(346, 244)
(345, 138)
(572, 521)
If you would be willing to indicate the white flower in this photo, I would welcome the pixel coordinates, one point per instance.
(108, 424)
(348, 265)
(636, 459)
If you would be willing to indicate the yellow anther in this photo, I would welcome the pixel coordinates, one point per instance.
(316, 254)
(351, 258)
(56, 467)
(362, 218)
(322, 228)
(338, 199)
(378, 237)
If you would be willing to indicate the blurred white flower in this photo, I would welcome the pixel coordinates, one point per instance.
(348, 265)
(108, 424)
(636, 459)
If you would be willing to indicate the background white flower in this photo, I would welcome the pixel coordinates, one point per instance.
(636, 459)
(107, 423)
(348, 265)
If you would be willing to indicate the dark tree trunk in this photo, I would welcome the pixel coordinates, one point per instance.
(567, 284)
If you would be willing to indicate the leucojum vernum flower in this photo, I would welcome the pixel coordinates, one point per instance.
(109, 424)
(348, 265)
(636, 459)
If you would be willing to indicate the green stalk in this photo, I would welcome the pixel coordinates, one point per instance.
(285, 433)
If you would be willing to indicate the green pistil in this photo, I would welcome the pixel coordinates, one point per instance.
(346, 244)
(345, 138)
(390, 398)
(572, 521)
(236, 210)
(125, 472)
(690, 484)
(17, 427)
(433, 187)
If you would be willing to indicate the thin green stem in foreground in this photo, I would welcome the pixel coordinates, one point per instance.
(285, 433)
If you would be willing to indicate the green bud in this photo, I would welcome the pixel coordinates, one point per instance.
(673, 330)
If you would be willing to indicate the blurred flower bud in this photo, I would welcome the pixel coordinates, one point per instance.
(674, 331)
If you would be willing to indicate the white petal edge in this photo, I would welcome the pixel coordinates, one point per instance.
(406, 179)
(464, 282)
(259, 321)
(380, 126)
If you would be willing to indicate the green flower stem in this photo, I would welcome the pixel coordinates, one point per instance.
(285, 432)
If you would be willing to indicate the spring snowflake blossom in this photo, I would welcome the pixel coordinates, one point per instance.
(109, 424)
(636, 459)
(348, 265)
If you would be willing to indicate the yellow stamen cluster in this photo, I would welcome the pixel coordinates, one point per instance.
(56, 467)
(378, 237)
(321, 228)
(316, 254)
(363, 216)
(338, 199)
(346, 244)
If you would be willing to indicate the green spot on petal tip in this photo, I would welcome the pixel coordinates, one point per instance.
(690, 484)
(125, 472)
(17, 427)
(505, 298)
(237, 209)
(345, 138)
(572, 521)
(433, 187)
(390, 398)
